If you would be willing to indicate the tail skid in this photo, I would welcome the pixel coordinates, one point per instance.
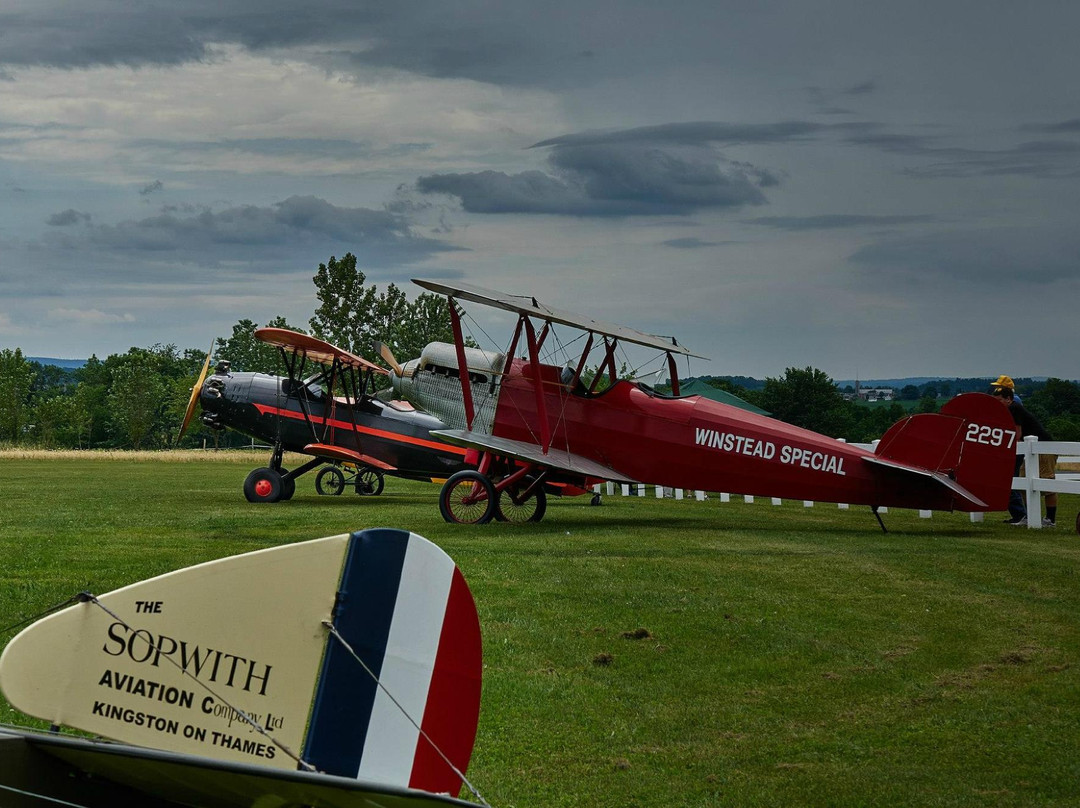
(968, 448)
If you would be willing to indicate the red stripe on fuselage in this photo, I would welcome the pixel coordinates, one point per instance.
(265, 409)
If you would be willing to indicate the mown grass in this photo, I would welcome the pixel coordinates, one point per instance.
(648, 652)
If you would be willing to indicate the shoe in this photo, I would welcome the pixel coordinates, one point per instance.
(1021, 522)
(1048, 522)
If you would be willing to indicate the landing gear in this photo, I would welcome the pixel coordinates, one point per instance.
(526, 502)
(369, 482)
(467, 498)
(499, 489)
(263, 485)
(330, 481)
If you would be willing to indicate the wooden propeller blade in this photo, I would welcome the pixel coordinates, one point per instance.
(195, 394)
(388, 356)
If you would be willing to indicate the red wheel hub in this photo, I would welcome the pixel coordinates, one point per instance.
(263, 488)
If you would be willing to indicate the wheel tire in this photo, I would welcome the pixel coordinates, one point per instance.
(330, 481)
(369, 482)
(595, 501)
(288, 486)
(509, 508)
(467, 498)
(263, 485)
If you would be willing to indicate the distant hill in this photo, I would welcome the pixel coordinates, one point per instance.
(67, 364)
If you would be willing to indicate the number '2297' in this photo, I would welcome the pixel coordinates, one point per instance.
(991, 436)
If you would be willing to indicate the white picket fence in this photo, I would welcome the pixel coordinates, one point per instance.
(1030, 485)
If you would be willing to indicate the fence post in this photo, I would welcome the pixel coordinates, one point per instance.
(1031, 474)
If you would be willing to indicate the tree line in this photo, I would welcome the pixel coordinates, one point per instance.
(137, 399)
(807, 397)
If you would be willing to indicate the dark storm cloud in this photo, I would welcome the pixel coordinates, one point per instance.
(556, 44)
(835, 221)
(1006, 258)
(249, 232)
(671, 169)
(690, 243)
(150, 188)
(693, 133)
(1071, 126)
(66, 218)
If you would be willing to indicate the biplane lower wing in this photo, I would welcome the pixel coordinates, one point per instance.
(54, 768)
(330, 452)
(532, 453)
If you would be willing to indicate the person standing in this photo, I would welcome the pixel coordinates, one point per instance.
(1003, 390)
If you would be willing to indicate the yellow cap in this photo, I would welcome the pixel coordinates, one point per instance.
(1004, 381)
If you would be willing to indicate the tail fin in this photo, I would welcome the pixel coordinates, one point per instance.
(969, 447)
(190, 661)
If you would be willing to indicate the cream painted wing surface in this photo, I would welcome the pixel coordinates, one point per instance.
(356, 655)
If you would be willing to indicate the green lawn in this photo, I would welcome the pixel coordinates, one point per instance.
(776, 655)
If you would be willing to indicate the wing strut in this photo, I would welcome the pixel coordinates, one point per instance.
(673, 371)
(538, 387)
(463, 365)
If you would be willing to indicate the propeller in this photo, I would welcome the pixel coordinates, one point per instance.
(383, 350)
(195, 393)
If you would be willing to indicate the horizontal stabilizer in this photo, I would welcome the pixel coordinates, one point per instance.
(933, 475)
(531, 453)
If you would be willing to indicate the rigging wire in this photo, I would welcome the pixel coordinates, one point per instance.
(91, 598)
(334, 633)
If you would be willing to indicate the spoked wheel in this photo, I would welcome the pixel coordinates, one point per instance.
(369, 482)
(263, 485)
(330, 481)
(517, 504)
(467, 498)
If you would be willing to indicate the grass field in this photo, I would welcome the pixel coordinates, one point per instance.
(774, 655)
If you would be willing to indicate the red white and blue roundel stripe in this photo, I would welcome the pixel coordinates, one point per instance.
(405, 610)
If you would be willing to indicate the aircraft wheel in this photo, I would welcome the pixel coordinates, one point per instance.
(511, 507)
(330, 481)
(369, 482)
(288, 486)
(467, 498)
(263, 485)
(595, 500)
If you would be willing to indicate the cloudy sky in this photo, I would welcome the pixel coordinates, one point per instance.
(880, 189)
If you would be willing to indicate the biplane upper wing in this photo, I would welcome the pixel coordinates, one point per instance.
(521, 304)
(532, 453)
(314, 348)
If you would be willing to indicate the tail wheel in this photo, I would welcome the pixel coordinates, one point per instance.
(369, 482)
(515, 505)
(467, 498)
(330, 481)
(263, 485)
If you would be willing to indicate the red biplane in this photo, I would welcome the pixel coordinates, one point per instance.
(534, 422)
(323, 407)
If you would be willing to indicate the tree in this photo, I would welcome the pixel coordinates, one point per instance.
(136, 399)
(247, 353)
(353, 315)
(346, 305)
(16, 381)
(808, 398)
